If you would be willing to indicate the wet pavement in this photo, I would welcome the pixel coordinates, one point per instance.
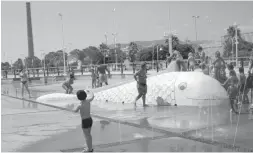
(44, 129)
(117, 127)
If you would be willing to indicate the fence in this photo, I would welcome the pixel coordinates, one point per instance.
(35, 73)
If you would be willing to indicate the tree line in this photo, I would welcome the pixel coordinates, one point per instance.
(105, 54)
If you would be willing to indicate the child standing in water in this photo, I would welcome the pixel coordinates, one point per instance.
(87, 121)
(191, 62)
(141, 79)
(67, 84)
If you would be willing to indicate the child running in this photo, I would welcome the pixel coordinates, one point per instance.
(232, 93)
(67, 85)
(191, 62)
(87, 121)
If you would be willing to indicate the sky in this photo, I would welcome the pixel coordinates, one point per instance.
(85, 23)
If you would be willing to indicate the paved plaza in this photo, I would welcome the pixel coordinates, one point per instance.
(120, 128)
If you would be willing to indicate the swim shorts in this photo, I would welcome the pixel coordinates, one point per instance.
(87, 123)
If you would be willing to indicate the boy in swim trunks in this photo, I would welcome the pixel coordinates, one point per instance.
(67, 85)
(87, 121)
(141, 79)
(191, 62)
(24, 82)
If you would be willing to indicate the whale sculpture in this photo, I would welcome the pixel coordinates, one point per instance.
(203, 100)
(181, 88)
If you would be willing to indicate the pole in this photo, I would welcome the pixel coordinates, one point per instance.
(63, 43)
(236, 46)
(153, 57)
(170, 36)
(157, 59)
(114, 10)
(106, 45)
(232, 49)
(116, 57)
(195, 19)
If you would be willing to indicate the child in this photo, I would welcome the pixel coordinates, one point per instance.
(232, 93)
(94, 78)
(232, 78)
(87, 121)
(191, 62)
(218, 64)
(179, 60)
(67, 85)
(24, 82)
(141, 79)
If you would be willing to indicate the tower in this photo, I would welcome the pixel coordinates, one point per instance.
(29, 30)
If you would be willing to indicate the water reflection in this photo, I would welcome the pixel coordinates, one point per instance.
(103, 124)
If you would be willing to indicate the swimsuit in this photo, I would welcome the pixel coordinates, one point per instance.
(87, 123)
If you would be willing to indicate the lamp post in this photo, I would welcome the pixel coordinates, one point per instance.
(195, 21)
(116, 56)
(106, 39)
(236, 42)
(153, 62)
(63, 43)
(114, 35)
(44, 56)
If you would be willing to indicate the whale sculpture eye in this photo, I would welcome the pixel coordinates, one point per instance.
(182, 85)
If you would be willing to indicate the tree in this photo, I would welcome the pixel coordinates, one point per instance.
(104, 49)
(133, 49)
(18, 64)
(184, 49)
(175, 41)
(33, 62)
(94, 54)
(76, 57)
(120, 56)
(229, 42)
(49, 59)
(5, 65)
(146, 54)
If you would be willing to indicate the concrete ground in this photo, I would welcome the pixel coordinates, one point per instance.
(31, 128)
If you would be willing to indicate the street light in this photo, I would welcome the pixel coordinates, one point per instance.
(236, 42)
(116, 56)
(61, 17)
(44, 55)
(106, 39)
(195, 19)
(114, 35)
